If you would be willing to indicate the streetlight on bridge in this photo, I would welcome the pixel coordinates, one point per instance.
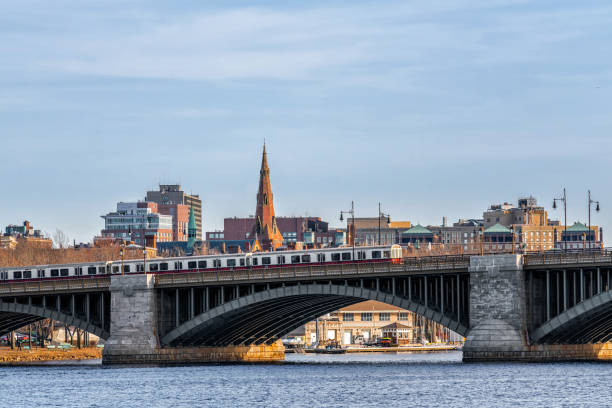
(564, 199)
(591, 202)
(381, 215)
(352, 212)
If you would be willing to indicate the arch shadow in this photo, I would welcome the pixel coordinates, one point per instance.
(16, 315)
(587, 322)
(264, 317)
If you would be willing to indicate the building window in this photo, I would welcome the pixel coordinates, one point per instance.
(403, 316)
(349, 317)
(384, 317)
(366, 317)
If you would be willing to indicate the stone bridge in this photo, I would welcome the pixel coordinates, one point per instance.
(510, 307)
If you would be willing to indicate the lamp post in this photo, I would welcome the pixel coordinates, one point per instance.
(481, 235)
(564, 199)
(380, 215)
(122, 252)
(591, 202)
(352, 212)
(512, 232)
(144, 255)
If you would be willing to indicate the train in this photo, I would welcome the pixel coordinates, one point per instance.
(255, 260)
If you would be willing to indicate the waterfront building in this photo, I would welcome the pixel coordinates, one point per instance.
(400, 334)
(417, 235)
(141, 223)
(369, 229)
(13, 234)
(463, 233)
(497, 238)
(579, 236)
(363, 322)
(172, 194)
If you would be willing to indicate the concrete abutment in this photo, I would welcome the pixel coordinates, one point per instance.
(498, 318)
(134, 337)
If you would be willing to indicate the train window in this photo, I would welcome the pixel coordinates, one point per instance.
(163, 266)
(139, 268)
(387, 254)
(336, 257)
(201, 264)
(216, 263)
(242, 262)
(64, 272)
(101, 270)
(116, 269)
(361, 255)
(41, 273)
(178, 266)
(126, 268)
(280, 259)
(295, 259)
(27, 274)
(346, 256)
(306, 258)
(78, 271)
(266, 260)
(155, 267)
(376, 254)
(54, 272)
(255, 261)
(17, 275)
(192, 265)
(320, 257)
(231, 262)
(91, 270)
(3, 275)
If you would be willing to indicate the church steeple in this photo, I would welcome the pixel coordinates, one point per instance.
(265, 221)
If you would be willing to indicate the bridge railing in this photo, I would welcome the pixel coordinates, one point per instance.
(413, 265)
(16, 288)
(568, 258)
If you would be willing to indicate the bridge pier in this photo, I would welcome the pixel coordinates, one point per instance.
(499, 316)
(134, 335)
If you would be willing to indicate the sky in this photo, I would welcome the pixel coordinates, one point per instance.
(437, 108)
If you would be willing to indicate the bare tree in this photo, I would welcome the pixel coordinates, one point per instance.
(60, 239)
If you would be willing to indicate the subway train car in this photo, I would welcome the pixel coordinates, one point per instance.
(388, 253)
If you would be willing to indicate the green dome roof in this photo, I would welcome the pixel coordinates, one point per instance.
(578, 227)
(498, 229)
(417, 229)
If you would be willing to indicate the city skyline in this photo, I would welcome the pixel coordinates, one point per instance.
(434, 110)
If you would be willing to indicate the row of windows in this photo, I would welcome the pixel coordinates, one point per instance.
(367, 317)
(201, 264)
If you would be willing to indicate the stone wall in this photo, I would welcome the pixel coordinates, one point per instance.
(200, 355)
(134, 337)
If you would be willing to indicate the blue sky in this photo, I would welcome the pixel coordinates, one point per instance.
(435, 108)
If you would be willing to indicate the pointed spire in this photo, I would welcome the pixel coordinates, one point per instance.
(265, 220)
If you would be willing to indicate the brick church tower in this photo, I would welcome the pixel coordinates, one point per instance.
(265, 229)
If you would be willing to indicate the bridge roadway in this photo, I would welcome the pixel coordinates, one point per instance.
(534, 299)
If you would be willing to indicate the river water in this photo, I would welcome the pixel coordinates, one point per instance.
(349, 380)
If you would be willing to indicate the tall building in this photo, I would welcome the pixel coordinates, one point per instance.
(138, 222)
(265, 228)
(369, 229)
(172, 194)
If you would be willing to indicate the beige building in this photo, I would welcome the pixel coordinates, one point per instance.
(364, 322)
(367, 230)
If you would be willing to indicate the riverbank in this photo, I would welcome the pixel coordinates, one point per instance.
(11, 357)
(401, 349)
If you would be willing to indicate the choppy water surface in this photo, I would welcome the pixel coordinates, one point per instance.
(350, 380)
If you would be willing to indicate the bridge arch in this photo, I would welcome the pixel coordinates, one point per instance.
(264, 317)
(16, 315)
(586, 322)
